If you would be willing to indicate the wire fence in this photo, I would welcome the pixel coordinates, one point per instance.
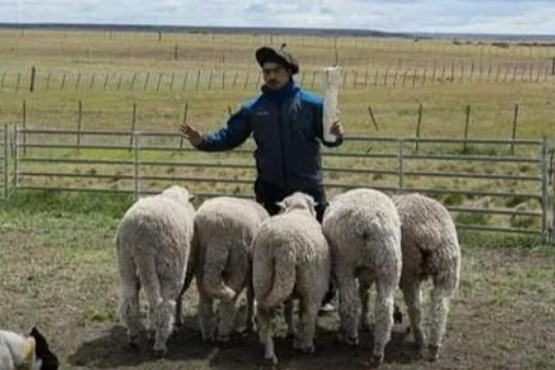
(482, 182)
(403, 76)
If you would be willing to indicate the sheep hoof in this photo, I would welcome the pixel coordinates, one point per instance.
(365, 326)
(300, 346)
(133, 341)
(376, 361)
(161, 352)
(433, 353)
(208, 338)
(223, 339)
(272, 359)
(351, 340)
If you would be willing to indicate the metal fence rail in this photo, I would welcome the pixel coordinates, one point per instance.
(482, 182)
(4, 171)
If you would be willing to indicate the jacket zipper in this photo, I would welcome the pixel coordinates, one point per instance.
(281, 140)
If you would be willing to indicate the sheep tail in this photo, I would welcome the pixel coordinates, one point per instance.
(284, 277)
(214, 268)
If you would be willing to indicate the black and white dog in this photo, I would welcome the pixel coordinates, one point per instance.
(18, 352)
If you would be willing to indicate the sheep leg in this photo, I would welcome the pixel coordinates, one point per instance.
(308, 312)
(411, 293)
(289, 318)
(384, 319)
(348, 306)
(226, 318)
(206, 317)
(250, 325)
(164, 314)
(266, 333)
(439, 308)
(364, 294)
(129, 309)
(179, 306)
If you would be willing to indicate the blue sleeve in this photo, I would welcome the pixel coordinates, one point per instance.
(233, 134)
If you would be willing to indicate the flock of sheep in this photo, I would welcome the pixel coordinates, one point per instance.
(232, 245)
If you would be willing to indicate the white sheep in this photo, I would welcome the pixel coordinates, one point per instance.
(224, 230)
(153, 243)
(364, 233)
(430, 249)
(291, 259)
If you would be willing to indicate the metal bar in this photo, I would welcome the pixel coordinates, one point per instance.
(354, 186)
(471, 192)
(15, 160)
(473, 176)
(6, 153)
(474, 158)
(400, 164)
(439, 140)
(81, 190)
(77, 175)
(74, 161)
(500, 211)
(545, 199)
(129, 191)
(198, 179)
(391, 139)
(136, 164)
(499, 229)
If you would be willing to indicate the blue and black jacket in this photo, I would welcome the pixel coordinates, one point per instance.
(287, 127)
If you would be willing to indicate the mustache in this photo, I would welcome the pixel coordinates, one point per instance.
(272, 81)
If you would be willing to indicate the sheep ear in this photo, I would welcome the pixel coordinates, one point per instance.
(281, 205)
(191, 197)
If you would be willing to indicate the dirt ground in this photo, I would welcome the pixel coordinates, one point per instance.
(503, 316)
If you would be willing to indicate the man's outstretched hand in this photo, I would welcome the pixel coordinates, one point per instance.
(190, 133)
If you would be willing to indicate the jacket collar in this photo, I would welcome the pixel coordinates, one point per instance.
(288, 90)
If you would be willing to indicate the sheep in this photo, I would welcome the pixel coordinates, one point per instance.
(430, 248)
(224, 230)
(153, 243)
(363, 230)
(291, 260)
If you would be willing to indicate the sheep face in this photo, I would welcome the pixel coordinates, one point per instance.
(298, 201)
(178, 194)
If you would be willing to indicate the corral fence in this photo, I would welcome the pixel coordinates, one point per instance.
(487, 184)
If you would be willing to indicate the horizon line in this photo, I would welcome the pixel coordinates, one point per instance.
(272, 30)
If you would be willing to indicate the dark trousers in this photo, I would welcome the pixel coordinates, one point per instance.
(268, 195)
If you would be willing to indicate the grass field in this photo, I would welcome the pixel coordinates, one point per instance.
(57, 263)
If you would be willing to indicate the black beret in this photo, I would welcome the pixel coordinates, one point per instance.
(275, 55)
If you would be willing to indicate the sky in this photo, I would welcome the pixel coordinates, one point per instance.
(447, 16)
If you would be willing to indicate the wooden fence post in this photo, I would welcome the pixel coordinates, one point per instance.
(133, 123)
(418, 125)
(79, 122)
(467, 122)
(184, 121)
(32, 86)
(515, 121)
(371, 113)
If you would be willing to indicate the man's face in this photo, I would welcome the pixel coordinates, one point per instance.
(275, 75)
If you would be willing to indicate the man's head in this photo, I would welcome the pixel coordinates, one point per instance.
(278, 66)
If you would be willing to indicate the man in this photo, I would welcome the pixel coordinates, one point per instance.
(286, 123)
